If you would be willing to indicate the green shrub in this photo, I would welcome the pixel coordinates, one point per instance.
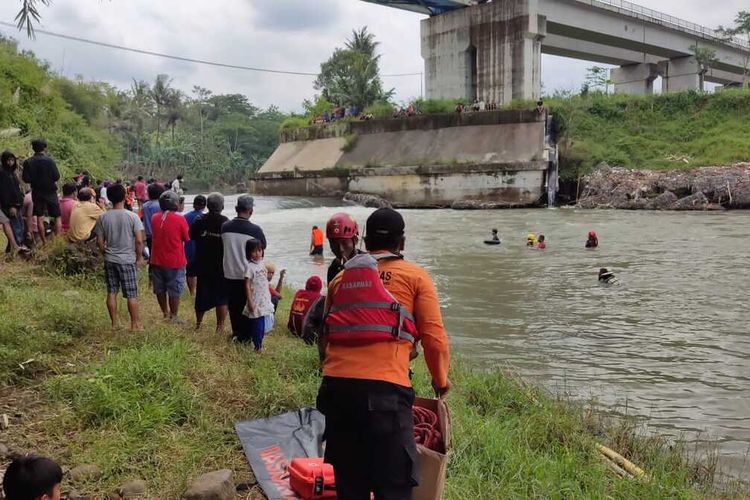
(295, 121)
(379, 109)
(351, 143)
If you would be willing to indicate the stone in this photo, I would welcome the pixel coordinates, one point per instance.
(133, 489)
(665, 201)
(697, 201)
(77, 495)
(4, 451)
(367, 200)
(85, 472)
(217, 485)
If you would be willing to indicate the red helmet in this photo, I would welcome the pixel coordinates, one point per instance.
(341, 226)
(592, 234)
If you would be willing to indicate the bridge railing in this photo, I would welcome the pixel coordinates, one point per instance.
(660, 17)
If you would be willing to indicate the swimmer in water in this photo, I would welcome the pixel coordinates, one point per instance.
(607, 277)
(541, 245)
(531, 240)
(593, 240)
(495, 237)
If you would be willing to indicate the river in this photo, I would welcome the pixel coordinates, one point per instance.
(671, 344)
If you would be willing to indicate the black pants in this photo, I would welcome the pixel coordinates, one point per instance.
(236, 300)
(369, 438)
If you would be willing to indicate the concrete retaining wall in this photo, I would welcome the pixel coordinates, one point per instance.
(426, 161)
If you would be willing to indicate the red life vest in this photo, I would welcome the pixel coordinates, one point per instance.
(303, 301)
(363, 311)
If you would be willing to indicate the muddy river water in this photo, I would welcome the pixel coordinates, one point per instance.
(671, 343)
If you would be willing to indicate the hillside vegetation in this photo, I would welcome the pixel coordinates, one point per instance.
(32, 105)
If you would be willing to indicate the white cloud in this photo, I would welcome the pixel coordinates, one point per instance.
(280, 34)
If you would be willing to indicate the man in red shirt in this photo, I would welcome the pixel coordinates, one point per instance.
(140, 191)
(169, 233)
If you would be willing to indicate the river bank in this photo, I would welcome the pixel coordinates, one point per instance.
(159, 406)
(708, 188)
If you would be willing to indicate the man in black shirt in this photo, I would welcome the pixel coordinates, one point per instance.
(40, 171)
(209, 262)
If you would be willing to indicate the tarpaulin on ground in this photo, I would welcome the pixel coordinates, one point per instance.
(271, 443)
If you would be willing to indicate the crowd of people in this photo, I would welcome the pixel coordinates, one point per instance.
(378, 308)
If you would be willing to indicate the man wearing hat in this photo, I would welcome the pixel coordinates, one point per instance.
(366, 393)
(234, 235)
(169, 233)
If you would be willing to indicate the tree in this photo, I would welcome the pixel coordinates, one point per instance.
(706, 59)
(597, 77)
(351, 77)
(741, 28)
(161, 94)
(29, 14)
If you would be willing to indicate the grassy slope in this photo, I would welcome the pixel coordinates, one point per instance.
(160, 405)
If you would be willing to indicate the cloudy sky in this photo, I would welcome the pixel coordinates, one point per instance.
(294, 35)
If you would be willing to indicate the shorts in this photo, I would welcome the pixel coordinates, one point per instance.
(167, 280)
(45, 204)
(211, 292)
(121, 276)
(191, 270)
(318, 250)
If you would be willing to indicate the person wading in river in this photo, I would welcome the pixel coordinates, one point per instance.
(316, 241)
(234, 235)
(366, 393)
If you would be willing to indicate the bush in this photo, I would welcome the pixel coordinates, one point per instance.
(379, 109)
(295, 121)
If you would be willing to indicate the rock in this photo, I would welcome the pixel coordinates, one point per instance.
(4, 451)
(133, 489)
(85, 472)
(217, 485)
(665, 201)
(4, 421)
(367, 200)
(479, 205)
(697, 201)
(740, 196)
(77, 495)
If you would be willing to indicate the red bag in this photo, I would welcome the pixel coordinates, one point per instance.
(312, 479)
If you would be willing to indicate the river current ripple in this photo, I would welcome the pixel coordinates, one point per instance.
(670, 344)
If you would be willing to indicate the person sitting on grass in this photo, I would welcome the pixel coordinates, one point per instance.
(32, 478)
(119, 235)
(257, 294)
(301, 304)
(84, 216)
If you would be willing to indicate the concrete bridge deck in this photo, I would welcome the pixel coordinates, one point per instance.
(492, 50)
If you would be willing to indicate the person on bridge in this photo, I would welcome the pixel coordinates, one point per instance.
(343, 235)
(593, 240)
(366, 395)
(316, 241)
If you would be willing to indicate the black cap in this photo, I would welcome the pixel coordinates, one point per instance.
(385, 222)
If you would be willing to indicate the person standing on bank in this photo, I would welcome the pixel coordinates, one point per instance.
(209, 262)
(119, 235)
(11, 199)
(234, 236)
(199, 204)
(40, 172)
(366, 395)
(169, 232)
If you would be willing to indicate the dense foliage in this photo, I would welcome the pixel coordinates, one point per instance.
(33, 103)
(150, 128)
(351, 77)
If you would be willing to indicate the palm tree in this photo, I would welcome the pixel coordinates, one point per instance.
(29, 14)
(140, 107)
(364, 42)
(161, 93)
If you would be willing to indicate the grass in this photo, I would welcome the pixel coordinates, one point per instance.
(160, 405)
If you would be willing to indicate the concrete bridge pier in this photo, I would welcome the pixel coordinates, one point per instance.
(490, 52)
(635, 78)
(682, 74)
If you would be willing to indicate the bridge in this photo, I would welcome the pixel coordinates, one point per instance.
(491, 50)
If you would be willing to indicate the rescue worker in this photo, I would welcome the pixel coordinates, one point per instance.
(531, 240)
(343, 236)
(316, 241)
(593, 240)
(366, 394)
(301, 304)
